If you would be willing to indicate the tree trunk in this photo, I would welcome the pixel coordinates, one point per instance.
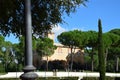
(117, 64)
(92, 60)
(71, 66)
(106, 54)
(47, 64)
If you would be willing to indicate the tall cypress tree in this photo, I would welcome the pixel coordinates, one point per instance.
(101, 54)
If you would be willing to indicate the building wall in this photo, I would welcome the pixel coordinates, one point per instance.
(61, 52)
(51, 35)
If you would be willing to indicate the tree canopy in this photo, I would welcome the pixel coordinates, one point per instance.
(44, 14)
(45, 47)
(74, 38)
(116, 32)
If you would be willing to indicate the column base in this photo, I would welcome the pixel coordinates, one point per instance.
(28, 76)
(28, 73)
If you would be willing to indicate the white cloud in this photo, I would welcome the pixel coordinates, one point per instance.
(57, 29)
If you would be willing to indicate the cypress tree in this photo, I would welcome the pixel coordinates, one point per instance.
(101, 54)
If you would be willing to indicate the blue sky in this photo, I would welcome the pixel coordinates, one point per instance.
(86, 18)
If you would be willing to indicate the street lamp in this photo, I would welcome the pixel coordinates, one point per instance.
(29, 68)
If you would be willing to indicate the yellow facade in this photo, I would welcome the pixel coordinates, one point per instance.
(61, 52)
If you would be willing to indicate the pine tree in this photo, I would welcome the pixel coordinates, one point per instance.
(101, 54)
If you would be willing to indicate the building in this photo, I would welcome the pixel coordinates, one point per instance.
(61, 52)
(61, 59)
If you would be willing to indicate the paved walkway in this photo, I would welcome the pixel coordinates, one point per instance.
(60, 74)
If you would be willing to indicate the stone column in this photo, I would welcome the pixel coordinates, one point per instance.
(29, 68)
